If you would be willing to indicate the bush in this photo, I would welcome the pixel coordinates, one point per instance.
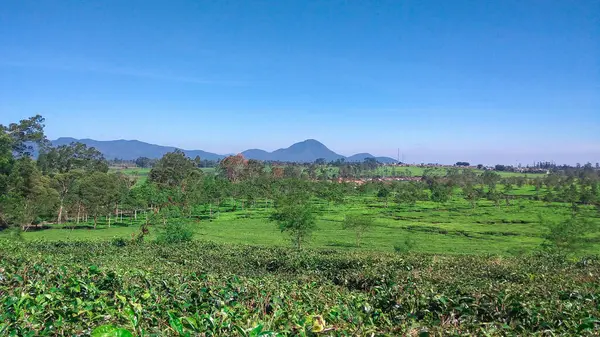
(405, 246)
(119, 242)
(174, 232)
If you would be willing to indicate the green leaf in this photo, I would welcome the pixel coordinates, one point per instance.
(175, 324)
(110, 331)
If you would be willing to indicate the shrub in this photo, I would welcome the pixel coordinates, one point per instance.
(119, 242)
(406, 245)
(174, 232)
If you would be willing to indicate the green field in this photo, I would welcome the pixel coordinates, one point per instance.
(451, 228)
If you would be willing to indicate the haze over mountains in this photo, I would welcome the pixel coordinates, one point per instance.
(302, 152)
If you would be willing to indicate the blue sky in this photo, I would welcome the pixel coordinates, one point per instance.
(482, 81)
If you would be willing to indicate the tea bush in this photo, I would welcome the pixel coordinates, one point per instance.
(208, 289)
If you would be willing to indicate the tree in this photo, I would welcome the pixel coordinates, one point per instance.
(470, 194)
(370, 163)
(96, 192)
(408, 194)
(65, 184)
(24, 134)
(293, 211)
(440, 192)
(506, 193)
(383, 194)
(490, 179)
(359, 224)
(75, 156)
(16, 140)
(462, 163)
(171, 169)
(494, 196)
(292, 171)
(254, 169)
(568, 236)
(295, 218)
(233, 168)
(29, 194)
(143, 162)
(277, 172)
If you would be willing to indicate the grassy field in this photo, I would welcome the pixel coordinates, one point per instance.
(454, 227)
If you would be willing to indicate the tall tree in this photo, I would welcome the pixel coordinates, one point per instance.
(143, 162)
(96, 192)
(66, 186)
(233, 167)
(25, 134)
(29, 194)
(74, 156)
(171, 169)
(253, 169)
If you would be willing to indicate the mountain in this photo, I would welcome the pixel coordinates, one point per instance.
(257, 154)
(302, 152)
(133, 149)
(360, 157)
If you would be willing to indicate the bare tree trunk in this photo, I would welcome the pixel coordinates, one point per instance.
(95, 220)
(78, 212)
(60, 211)
(135, 214)
(109, 220)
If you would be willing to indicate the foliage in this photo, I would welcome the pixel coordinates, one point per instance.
(174, 232)
(570, 235)
(295, 217)
(172, 169)
(74, 288)
(359, 224)
(408, 244)
(75, 156)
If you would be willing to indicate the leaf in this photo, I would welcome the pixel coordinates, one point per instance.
(256, 330)
(175, 324)
(588, 324)
(110, 331)
(424, 333)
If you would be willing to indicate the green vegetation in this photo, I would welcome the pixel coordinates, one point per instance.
(236, 290)
(179, 250)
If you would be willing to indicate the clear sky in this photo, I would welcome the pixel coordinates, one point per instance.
(481, 81)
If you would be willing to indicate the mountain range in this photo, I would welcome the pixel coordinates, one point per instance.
(302, 152)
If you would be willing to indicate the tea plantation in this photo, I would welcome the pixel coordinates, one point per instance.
(200, 288)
